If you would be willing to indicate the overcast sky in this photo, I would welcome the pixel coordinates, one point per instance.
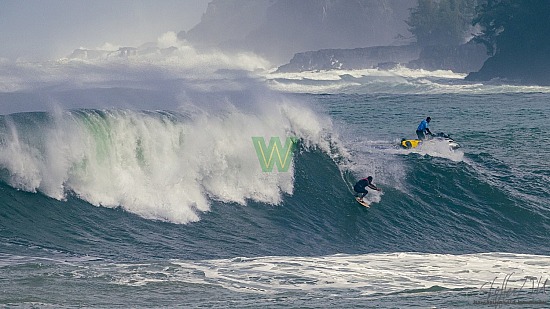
(50, 29)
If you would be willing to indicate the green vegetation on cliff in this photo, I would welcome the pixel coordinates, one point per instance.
(441, 22)
(516, 34)
(514, 25)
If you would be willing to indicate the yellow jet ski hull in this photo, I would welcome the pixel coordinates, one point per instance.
(413, 143)
(410, 143)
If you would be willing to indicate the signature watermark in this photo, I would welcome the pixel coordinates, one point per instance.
(522, 291)
(274, 153)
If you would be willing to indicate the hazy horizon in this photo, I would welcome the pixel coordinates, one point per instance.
(50, 29)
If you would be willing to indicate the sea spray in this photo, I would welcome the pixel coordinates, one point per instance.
(159, 165)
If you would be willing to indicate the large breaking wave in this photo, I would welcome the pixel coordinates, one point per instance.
(160, 165)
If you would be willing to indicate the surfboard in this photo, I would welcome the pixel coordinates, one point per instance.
(358, 199)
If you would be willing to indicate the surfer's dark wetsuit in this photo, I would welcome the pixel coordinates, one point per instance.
(361, 186)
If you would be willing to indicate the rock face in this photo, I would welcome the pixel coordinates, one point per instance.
(460, 59)
(464, 58)
(227, 21)
(527, 69)
(517, 34)
(277, 29)
(358, 58)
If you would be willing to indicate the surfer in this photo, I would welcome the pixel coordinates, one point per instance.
(423, 128)
(361, 187)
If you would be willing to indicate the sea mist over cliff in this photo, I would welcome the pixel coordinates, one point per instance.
(277, 29)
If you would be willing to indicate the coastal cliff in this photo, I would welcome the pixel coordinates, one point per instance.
(464, 58)
(277, 29)
(526, 70)
(349, 59)
(516, 35)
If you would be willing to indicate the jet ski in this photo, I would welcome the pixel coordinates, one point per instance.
(413, 143)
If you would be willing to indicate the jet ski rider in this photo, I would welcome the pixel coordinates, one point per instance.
(423, 128)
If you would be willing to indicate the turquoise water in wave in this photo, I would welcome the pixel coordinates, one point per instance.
(104, 208)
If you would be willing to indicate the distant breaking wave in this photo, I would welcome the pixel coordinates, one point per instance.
(400, 80)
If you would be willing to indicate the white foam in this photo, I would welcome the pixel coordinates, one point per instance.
(156, 165)
(399, 80)
(438, 148)
(169, 58)
(368, 274)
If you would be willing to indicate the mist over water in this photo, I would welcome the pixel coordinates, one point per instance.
(100, 140)
(46, 30)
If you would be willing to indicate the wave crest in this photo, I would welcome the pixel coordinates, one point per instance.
(159, 165)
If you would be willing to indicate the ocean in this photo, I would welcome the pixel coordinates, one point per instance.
(135, 183)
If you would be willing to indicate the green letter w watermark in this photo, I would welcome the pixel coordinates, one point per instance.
(265, 153)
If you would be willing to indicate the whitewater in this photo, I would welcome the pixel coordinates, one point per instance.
(133, 182)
